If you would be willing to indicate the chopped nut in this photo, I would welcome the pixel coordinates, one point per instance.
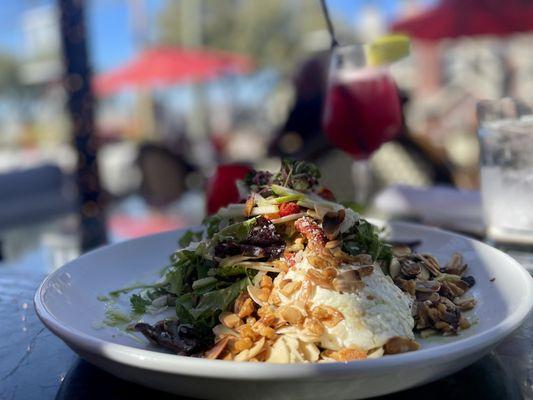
(455, 266)
(349, 354)
(274, 298)
(268, 320)
(408, 286)
(230, 320)
(290, 287)
(292, 315)
(267, 315)
(450, 289)
(410, 269)
(247, 331)
(318, 278)
(465, 304)
(248, 354)
(318, 262)
(431, 264)
(281, 265)
(401, 251)
(266, 282)
(264, 294)
(265, 331)
(329, 316)
(247, 308)
(463, 323)
(427, 286)
(398, 345)
(243, 344)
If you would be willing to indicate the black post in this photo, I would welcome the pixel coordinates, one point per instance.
(80, 103)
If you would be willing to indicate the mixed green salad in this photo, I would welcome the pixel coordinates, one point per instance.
(228, 282)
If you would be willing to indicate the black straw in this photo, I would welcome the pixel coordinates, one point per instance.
(331, 30)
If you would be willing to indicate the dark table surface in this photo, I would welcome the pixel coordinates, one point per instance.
(34, 364)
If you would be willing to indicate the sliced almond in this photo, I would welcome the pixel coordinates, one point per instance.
(215, 351)
(249, 205)
(256, 294)
(257, 348)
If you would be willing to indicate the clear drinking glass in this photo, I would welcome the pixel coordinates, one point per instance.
(505, 131)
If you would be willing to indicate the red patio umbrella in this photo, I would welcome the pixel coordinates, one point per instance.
(164, 66)
(455, 18)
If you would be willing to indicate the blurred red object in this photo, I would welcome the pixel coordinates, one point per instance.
(126, 227)
(165, 66)
(221, 187)
(455, 18)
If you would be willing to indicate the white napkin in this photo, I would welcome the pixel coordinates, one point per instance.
(439, 205)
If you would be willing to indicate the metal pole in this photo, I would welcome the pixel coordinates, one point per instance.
(197, 123)
(80, 106)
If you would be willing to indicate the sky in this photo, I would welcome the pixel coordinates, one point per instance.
(110, 24)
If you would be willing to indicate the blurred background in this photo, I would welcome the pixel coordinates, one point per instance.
(115, 113)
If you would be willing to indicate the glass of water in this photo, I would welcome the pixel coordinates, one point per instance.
(505, 130)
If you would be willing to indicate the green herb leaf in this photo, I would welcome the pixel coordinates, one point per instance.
(202, 311)
(363, 237)
(212, 225)
(237, 232)
(189, 237)
(138, 304)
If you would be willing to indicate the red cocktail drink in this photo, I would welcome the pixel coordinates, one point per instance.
(362, 110)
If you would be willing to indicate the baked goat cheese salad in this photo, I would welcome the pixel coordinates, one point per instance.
(288, 275)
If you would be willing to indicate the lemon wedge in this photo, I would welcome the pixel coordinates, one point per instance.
(387, 49)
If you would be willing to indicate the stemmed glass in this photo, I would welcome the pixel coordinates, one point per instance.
(362, 108)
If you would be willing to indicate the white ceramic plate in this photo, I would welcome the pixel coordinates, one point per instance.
(67, 304)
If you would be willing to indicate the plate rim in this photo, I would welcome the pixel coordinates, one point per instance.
(183, 365)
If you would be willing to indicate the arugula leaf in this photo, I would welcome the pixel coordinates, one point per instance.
(212, 224)
(232, 270)
(187, 267)
(364, 238)
(139, 304)
(116, 318)
(202, 311)
(237, 232)
(189, 237)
